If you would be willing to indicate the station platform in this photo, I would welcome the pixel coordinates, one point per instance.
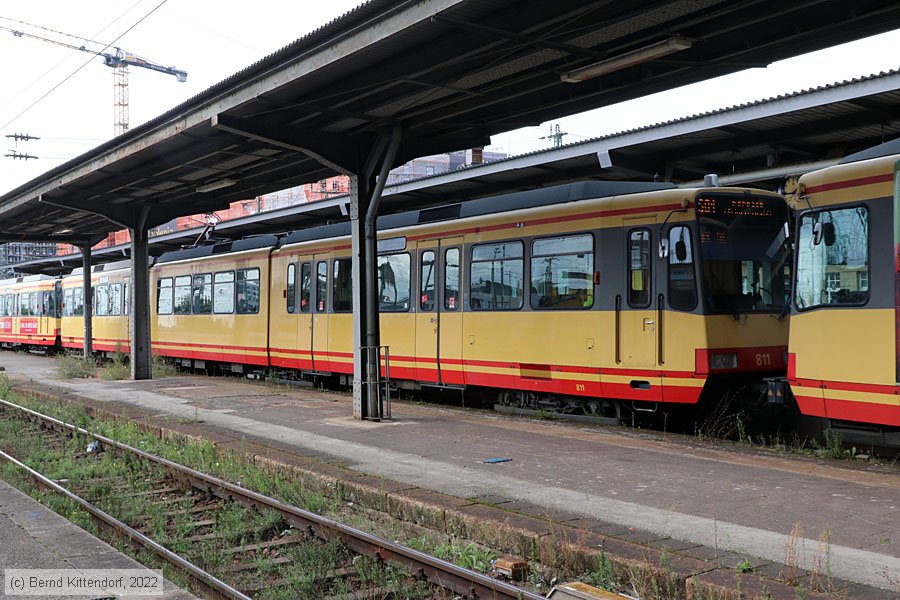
(694, 498)
(35, 537)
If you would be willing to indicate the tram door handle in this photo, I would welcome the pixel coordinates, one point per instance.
(649, 325)
(618, 329)
(660, 313)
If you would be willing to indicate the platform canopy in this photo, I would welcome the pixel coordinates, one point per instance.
(757, 144)
(449, 73)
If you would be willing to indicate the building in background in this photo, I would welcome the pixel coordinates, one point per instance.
(414, 169)
(16, 252)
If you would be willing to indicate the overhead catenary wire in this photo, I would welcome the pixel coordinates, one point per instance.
(83, 65)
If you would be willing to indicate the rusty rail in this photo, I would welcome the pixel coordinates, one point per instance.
(470, 584)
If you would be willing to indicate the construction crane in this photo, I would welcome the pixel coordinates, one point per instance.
(116, 58)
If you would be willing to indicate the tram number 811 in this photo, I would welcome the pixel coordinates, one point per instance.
(763, 359)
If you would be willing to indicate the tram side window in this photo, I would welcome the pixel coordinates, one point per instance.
(247, 291)
(451, 279)
(102, 297)
(202, 294)
(833, 258)
(562, 272)
(223, 293)
(682, 282)
(115, 299)
(341, 286)
(164, 296)
(68, 303)
(394, 282)
(182, 295)
(127, 298)
(321, 285)
(639, 268)
(305, 286)
(78, 302)
(291, 292)
(496, 276)
(426, 281)
(25, 309)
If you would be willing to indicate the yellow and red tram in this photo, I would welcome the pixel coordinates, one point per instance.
(111, 299)
(844, 351)
(566, 296)
(29, 312)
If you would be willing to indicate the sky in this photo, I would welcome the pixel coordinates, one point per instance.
(213, 39)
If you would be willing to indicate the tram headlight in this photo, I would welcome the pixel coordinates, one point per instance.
(723, 360)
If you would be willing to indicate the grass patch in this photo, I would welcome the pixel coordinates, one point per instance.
(117, 368)
(163, 368)
(73, 365)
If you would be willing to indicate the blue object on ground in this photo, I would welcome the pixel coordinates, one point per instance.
(491, 461)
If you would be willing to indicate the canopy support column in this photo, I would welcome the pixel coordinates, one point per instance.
(141, 355)
(365, 196)
(88, 303)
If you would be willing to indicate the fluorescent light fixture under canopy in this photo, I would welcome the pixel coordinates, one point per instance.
(629, 59)
(216, 185)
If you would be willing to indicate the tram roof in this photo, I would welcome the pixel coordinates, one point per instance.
(450, 73)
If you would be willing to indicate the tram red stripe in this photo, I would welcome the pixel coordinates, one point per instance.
(550, 220)
(518, 224)
(847, 183)
(849, 410)
(871, 388)
(215, 356)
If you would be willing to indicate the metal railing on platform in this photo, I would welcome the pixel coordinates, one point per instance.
(377, 385)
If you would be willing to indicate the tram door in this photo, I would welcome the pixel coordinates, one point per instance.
(637, 315)
(439, 312)
(303, 308)
(319, 312)
(427, 313)
(44, 312)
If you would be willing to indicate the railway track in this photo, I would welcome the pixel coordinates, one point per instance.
(232, 542)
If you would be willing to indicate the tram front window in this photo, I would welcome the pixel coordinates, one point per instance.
(744, 254)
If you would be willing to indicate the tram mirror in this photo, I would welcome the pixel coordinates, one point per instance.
(828, 234)
(680, 250)
(824, 232)
(663, 248)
